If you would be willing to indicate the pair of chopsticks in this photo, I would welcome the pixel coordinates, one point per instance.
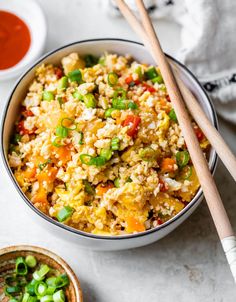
(180, 95)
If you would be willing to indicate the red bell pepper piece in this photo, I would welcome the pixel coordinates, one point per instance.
(133, 121)
(148, 87)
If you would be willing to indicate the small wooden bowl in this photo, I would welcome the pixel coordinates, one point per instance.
(7, 255)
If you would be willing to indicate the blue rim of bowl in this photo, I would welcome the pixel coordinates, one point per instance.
(198, 195)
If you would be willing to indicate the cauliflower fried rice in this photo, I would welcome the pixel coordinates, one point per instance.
(97, 146)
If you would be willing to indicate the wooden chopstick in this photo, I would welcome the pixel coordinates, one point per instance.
(214, 137)
(206, 180)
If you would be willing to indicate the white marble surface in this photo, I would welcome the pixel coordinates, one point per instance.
(188, 265)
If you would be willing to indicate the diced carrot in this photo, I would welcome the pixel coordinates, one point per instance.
(29, 173)
(103, 188)
(40, 196)
(38, 159)
(167, 165)
(133, 225)
(129, 80)
(40, 200)
(64, 154)
(48, 175)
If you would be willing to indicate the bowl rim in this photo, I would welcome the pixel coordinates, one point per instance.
(199, 194)
(39, 250)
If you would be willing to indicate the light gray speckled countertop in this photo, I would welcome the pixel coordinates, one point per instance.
(186, 266)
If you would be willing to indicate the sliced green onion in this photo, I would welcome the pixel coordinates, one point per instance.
(172, 115)
(60, 101)
(132, 105)
(98, 161)
(119, 92)
(11, 280)
(31, 260)
(88, 188)
(158, 79)
(186, 172)
(151, 73)
(16, 138)
(62, 280)
(57, 142)
(58, 282)
(40, 274)
(139, 72)
(47, 298)
(58, 296)
(89, 100)
(41, 167)
(21, 267)
(119, 104)
(90, 60)
(85, 158)
(182, 158)
(51, 290)
(12, 290)
(32, 299)
(51, 281)
(70, 120)
(106, 153)
(63, 83)
(48, 96)
(102, 61)
(40, 289)
(75, 76)
(78, 96)
(117, 182)
(112, 78)
(13, 300)
(81, 138)
(108, 112)
(65, 213)
(26, 297)
(30, 287)
(129, 179)
(147, 154)
(62, 132)
(92, 161)
(115, 143)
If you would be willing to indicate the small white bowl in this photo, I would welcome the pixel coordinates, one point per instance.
(31, 13)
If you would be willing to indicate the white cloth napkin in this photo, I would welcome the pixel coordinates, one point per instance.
(208, 45)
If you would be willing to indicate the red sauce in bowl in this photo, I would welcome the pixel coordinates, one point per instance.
(14, 39)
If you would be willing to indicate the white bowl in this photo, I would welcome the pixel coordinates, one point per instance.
(31, 13)
(97, 47)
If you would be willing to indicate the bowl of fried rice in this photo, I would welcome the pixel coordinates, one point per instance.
(92, 143)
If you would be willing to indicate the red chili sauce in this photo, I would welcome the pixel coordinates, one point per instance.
(14, 39)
